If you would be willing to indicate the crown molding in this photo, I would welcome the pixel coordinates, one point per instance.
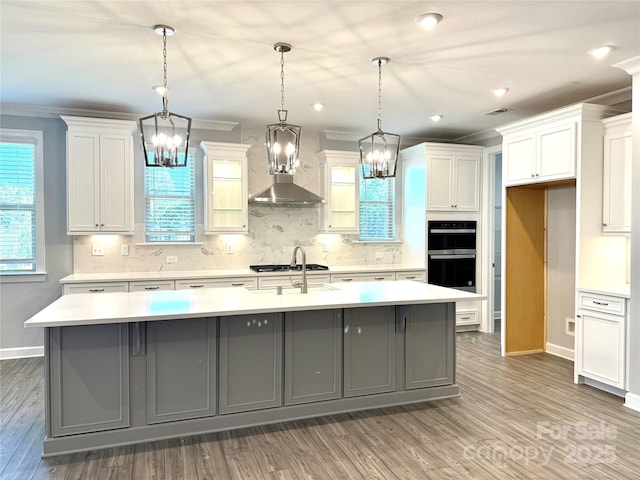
(45, 111)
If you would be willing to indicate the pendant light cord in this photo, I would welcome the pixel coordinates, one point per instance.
(379, 95)
(165, 95)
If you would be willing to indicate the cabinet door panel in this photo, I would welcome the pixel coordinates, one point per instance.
(313, 356)
(429, 345)
(116, 186)
(602, 348)
(557, 153)
(81, 400)
(467, 182)
(616, 215)
(440, 182)
(83, 210)
(250, 362)
(519, 160)
(369, 351)
(181, 366)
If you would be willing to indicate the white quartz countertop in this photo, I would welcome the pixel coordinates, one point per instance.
(620, 290)
(222, 273)
(90, 309)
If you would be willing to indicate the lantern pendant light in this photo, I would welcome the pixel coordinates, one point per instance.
(379, 151)
(165, 135)
(283, 139)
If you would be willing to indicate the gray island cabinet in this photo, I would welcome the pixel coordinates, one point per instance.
(124, 368)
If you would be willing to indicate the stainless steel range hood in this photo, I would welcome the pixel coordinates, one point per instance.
(284, 192)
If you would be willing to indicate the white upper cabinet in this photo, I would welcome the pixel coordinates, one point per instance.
(543, 153)
(339, 177)
(453, 177)
(616, 201)
(99, 176)
(225, 187)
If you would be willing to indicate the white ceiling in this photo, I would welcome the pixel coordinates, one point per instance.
(103, 55)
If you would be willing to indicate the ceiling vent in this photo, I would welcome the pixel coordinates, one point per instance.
(497, 111)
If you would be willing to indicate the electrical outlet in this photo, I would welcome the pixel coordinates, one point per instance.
(325, 247)
(97, 251)
(124, 249)
(379, 255)
(172, 259)
(229, 248)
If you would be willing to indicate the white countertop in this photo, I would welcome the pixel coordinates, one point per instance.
(222, 273)
(621, 290)
(89, 309)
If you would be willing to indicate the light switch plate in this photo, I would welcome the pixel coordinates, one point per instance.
(379, 255)
(229, 248)
(97, 251)
(325, 247)
(124, 249)
(172, 259)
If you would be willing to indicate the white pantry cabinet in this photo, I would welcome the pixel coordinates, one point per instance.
(616, 200)
(545, 152)
(601, 338)
(339, 178)
(99, 176)
(225, 187)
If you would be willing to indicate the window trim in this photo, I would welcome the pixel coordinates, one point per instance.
(29, 136)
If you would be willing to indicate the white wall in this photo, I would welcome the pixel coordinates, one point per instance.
(18, 301)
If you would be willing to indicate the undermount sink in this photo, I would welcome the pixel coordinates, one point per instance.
(290, 290)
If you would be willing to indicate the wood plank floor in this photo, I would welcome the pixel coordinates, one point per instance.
(517, 417)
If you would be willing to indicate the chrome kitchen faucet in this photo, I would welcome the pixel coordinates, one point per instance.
(303, 284)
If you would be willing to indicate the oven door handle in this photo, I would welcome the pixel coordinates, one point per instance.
(450, 257)
(452, 230)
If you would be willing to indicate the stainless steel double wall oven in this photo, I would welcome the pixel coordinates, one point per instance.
(452, 254)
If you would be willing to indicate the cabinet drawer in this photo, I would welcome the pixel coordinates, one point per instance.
(467, 318)
(285, 280)
(151, 286)
(362, 277)
(602, 303)
(250, 283)
(96, 287)
(417, 276)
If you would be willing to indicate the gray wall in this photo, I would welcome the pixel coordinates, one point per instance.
(18, 301)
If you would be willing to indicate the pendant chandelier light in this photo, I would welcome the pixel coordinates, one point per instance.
(165, 135)
(379, 151)
(283, 139)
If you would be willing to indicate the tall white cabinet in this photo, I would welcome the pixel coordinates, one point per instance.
(453, 178)
(339, 178)
(225, 187)
(616, 200)
(99, 176)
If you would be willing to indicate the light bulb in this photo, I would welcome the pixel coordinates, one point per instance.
(276, 148)
(290, 149)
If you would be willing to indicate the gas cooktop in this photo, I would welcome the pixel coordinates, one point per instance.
(286, 268)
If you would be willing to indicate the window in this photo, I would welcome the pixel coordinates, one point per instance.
(377, 209)
(21, 202)
(170, 203)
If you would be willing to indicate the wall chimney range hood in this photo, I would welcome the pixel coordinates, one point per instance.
(283, 192)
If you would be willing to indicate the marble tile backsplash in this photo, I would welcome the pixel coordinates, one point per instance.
(273, 233)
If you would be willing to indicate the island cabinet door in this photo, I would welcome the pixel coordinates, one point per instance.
(89, 378)
(312, 356)
(181, 369)
(369, 350)
(250, 362)
(429, 344)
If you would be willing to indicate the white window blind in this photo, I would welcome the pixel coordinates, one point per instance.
(18, 222)
(170, 203)
(377, 209)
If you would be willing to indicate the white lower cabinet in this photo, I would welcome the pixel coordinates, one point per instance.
(151, 286)
(601, 338)
(362, 277)
(287, 281)
(417, 276)
(245, 282)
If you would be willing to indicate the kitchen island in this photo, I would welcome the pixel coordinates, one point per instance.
(124, 368)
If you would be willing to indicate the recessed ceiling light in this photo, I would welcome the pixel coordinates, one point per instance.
(318, 107)
(428, 20)
(499, 92)
(436, 118)
(601, 52)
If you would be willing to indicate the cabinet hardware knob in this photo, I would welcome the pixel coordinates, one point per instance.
(604, 224)
(97, 225)
(244, 226)
(533, 175)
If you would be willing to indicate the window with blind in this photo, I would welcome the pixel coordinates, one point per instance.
(21, 202)
(377, 209)
(170, 203)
